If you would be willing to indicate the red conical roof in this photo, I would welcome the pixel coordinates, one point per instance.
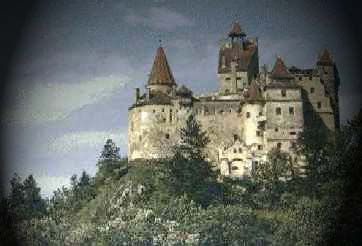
(160, 72)
(280, 71)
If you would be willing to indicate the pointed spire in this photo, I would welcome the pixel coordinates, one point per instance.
(280, 71)
(236, 30)
(325, 58)
(161, 73)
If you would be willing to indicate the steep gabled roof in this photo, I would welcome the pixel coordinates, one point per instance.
(161, 73)
(325, 58)
(280, 71)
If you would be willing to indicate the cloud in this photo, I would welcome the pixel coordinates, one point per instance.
(78, 141)
(159, 18)
(44, 103)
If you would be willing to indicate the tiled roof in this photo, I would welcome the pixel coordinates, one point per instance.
(161, 72)
(236, 53)
(183, 91)
(280, 71)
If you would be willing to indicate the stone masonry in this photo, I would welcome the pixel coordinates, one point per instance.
(251, 113)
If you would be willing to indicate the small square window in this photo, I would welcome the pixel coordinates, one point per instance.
(276, 130)
(167, 136)
(279, 145)
(258, 133)
(278, 111)
(236, 137)
(291, 110)
(260, 113)
(260, 147)
(300, 77)
(319, 104)
(247, 114)
(312, 90)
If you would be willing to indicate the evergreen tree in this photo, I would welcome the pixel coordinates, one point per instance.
(187, 172)
(110, 163)
(25, 201)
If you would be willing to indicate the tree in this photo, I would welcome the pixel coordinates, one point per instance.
(25, 201)
(271, 177)
(110, 163)
(187, 172)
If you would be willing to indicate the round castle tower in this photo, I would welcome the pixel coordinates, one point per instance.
(155, 115)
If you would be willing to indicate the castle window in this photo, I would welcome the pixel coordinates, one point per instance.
(235, 137)
(279, 146)
(234, 168)
(247, 114)
(154, 111)
(230, 110)
(284, 93)
(227, 78)
(293, 145)
(291, 110)
(167, 136)
(278, 111)
(292, 133)
(310, 78)
(163, 110)
(260, 147)
(170, 117)
(240, 150)
(164, 120)
(319, 104)
(258, 133)
(311, 90)
(276, 129)
(260, 113)
(234, 150)
(300, 77)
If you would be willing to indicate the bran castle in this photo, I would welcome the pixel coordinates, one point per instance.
(253, 111)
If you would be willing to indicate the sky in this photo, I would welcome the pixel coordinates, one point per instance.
(77, 63)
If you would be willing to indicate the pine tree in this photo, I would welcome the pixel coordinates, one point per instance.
(187, 172)
(110, 163)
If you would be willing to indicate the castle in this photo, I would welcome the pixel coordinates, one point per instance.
(253, 111)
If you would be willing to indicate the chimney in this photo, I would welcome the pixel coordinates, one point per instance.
(137, 94)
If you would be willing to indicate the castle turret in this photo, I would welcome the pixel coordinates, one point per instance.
(329, 77)
(161, 78)
(284, 108)
(238, 61)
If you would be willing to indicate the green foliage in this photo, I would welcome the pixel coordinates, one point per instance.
(187, 172)
(110, 164)
(25, 201)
